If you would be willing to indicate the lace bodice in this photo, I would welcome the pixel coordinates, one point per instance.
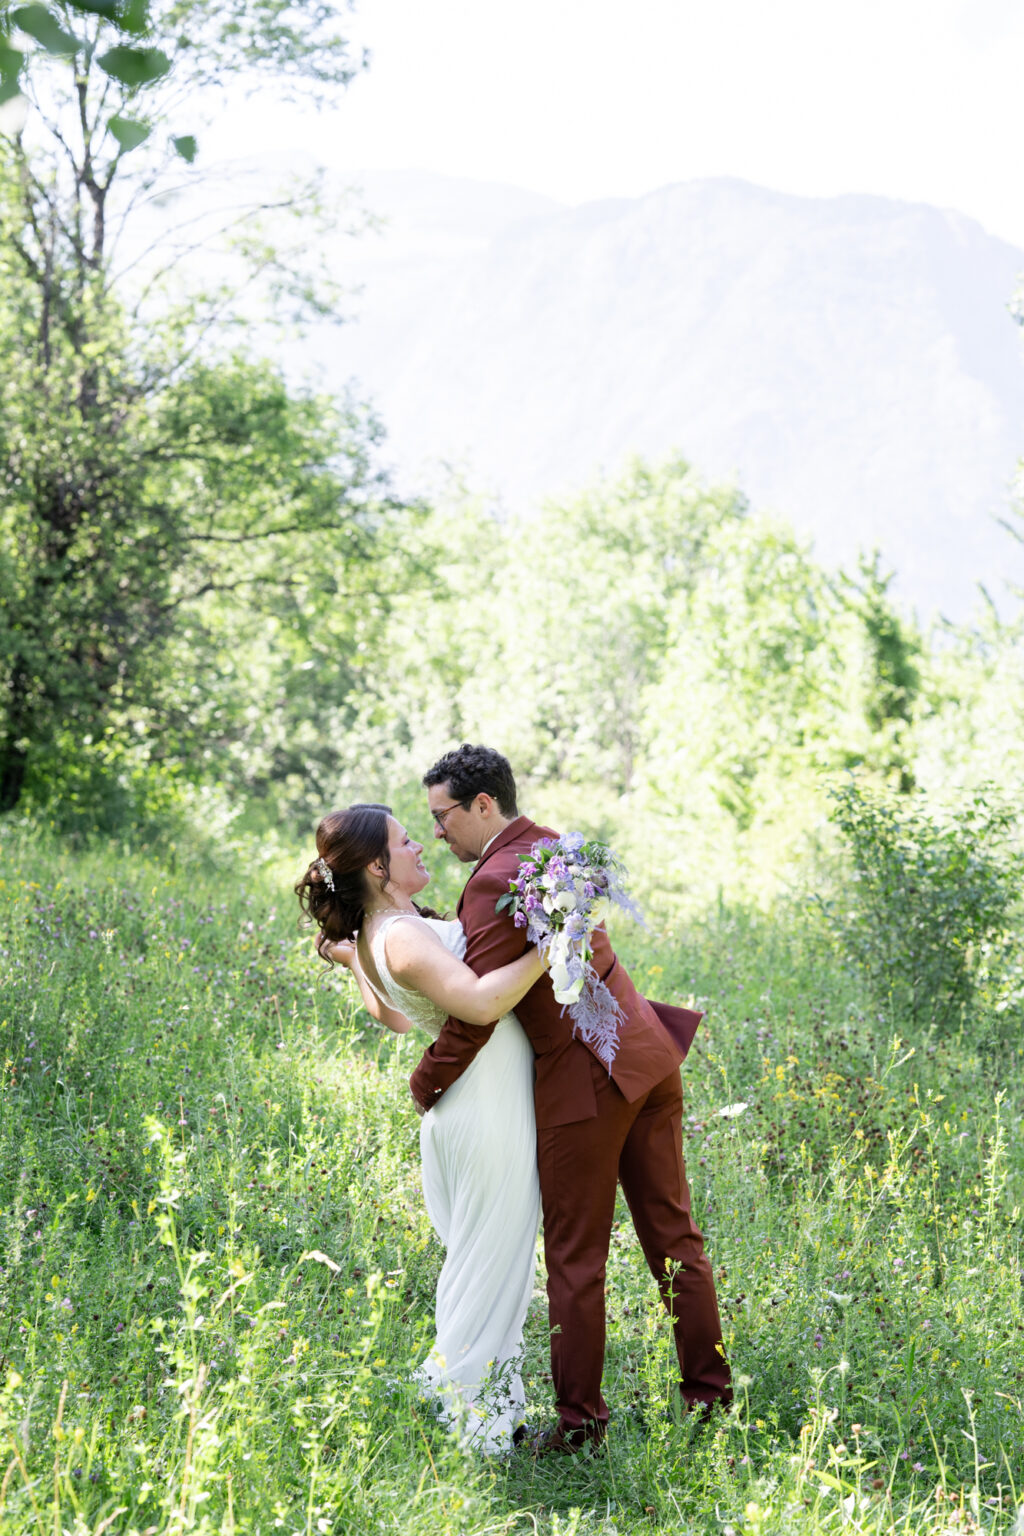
(413, 1004)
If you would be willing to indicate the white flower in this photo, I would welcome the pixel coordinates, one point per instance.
(565, 901)
(730, 1111)
(559, 949)
(566, 991)
(559, 976)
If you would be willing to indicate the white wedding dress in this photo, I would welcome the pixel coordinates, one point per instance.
(479, 1151)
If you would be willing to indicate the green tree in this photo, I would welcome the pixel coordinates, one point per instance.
(152, 478)
(893, 676)
(134, 45)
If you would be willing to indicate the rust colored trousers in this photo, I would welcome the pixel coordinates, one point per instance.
(639, 1145)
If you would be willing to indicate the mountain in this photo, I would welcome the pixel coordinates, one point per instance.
(851, 361)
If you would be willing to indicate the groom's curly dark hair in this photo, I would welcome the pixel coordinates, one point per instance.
(470, 771)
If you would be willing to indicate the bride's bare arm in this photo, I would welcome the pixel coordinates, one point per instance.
(418, 960)
(343, 952)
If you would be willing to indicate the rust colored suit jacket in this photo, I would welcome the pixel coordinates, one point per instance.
(653, 1039)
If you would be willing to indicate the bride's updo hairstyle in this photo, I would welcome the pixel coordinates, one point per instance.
(347, 841)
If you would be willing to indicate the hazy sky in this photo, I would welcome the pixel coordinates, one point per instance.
(580, 99)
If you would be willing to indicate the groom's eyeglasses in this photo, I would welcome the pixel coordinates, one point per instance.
(440, 817)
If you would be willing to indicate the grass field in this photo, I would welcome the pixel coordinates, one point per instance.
(217, 1272)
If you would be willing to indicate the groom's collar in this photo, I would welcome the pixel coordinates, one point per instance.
(501, 839)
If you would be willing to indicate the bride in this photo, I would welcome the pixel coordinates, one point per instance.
(479, 1144)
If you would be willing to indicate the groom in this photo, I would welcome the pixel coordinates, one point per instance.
(594, 1128)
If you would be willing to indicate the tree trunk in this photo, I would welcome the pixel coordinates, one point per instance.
(13, 763)
(13, 747)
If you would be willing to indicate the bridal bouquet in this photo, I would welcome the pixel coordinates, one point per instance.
(566, 887)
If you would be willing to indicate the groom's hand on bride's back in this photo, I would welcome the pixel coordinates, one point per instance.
(340, 951)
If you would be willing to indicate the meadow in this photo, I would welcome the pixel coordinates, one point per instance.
(217, 1272)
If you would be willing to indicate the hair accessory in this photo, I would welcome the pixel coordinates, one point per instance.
(325, 871)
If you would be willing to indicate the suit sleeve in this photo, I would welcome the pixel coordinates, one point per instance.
(492, 940)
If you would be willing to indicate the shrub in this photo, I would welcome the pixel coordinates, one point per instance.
(929, 902)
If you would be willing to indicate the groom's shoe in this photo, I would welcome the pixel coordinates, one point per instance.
(555, 1442)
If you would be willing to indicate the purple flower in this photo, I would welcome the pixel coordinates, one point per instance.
(520, 919)
(572, 842)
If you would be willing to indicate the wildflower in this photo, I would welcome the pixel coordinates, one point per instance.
(730, 1111)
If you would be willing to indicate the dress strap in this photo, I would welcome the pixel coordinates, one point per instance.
(380, 958)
